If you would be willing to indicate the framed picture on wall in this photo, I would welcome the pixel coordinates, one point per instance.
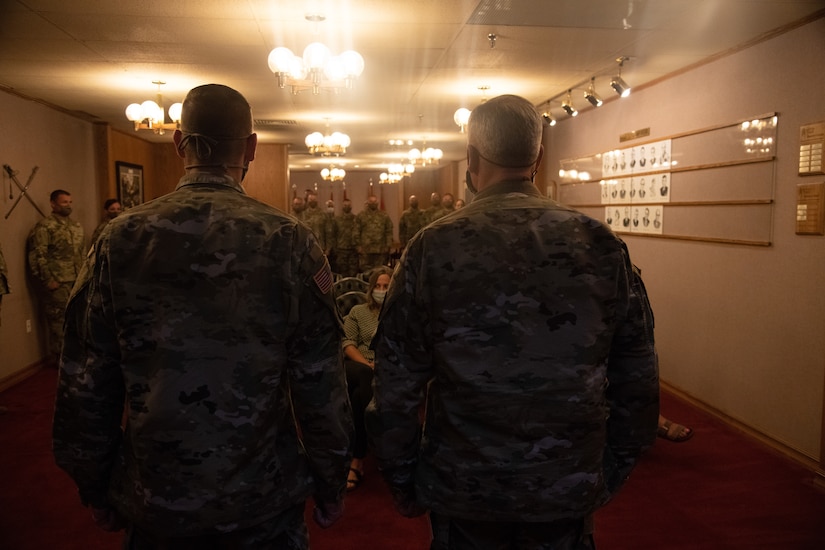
(129, 184)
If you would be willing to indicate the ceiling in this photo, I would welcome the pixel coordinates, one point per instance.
(424, 58)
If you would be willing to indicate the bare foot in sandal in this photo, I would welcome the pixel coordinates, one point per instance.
(673, 432)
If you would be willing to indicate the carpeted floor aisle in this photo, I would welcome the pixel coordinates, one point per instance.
(718, 491)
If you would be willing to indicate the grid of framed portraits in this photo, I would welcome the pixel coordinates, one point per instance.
(640, 218)
(650, 157)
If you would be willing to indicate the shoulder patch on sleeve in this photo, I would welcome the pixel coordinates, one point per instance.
(323, 279)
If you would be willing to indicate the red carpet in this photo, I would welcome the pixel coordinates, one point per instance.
(720, 490)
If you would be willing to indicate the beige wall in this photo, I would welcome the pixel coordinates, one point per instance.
(740, 328)
(62, 147)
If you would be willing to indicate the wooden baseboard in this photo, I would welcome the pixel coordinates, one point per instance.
(22, 374)
(779, 447)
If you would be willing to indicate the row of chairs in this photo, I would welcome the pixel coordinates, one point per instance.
(349, 292)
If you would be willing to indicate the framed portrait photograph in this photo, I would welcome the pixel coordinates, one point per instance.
(129, 184)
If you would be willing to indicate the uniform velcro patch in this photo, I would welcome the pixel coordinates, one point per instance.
(323, 279)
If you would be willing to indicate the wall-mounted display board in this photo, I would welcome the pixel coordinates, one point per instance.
(714, 184)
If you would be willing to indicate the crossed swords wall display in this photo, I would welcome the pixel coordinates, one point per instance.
(23, 189)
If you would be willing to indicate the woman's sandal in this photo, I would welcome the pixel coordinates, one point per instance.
(674, 432)
(354, 482)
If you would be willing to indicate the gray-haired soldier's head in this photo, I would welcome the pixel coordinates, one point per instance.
(216, 121)
(506, 131)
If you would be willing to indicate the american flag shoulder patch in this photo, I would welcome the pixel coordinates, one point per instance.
(323, 278)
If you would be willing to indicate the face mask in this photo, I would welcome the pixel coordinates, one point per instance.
(348, 209)
(66, 211)
(372, 206)
(331, 209)
(245, 170)
(379, 295)
(470, 185)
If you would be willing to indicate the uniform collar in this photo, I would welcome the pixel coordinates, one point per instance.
(196, 178)
(524, 186)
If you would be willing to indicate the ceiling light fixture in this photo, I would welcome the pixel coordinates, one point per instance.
(425, 156)
(395, 173)
(149, 115)
(548, 118)
(461, 118)
(327, 145)
(333, 174)
(317, 69)
(617, 83)
(567, 105)
(591, 95)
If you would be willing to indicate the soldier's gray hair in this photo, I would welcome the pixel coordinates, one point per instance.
(506, 131)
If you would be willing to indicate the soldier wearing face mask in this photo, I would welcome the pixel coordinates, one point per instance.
(345, 250)
(316, 219)
(56, 247)
(112, 208)
(374, 230)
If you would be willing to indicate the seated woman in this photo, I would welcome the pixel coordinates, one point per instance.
(359, 328)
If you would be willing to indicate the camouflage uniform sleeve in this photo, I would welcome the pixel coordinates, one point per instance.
(38, 254)
(402, 228)
(86, 432)
(403, 367)
(316, 373)
(4, 275)
(388, 232)
(633, 384)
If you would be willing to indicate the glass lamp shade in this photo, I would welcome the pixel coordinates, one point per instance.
(175, 112)
(134, 112)
(352, 62)
(280, 60)
(316, 56)
(314, 139)
(462, 117)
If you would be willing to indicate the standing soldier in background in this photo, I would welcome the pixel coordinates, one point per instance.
(55, 250)
(447, 203)
(434, 211)
(112, 210)
(4, 279)
(346, 241)
(298, 206)
(329, 231)
(412, 219)
(374, 230)
(316, 219)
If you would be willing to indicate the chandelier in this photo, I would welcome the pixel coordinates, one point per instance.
(333, 174)
(149, 115)
(395, 173)
(317, 68)
(327, 145)
(428, 156)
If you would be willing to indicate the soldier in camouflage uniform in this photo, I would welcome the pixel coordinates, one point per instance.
(435, 210)
(111, 210)
(412, 219)
(210, 314)
(4, 278)
(316, 218)
(298, 207)
(55, 250)
(346, 243)
(374, 235)
(521, 324)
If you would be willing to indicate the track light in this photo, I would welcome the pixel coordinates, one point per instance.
(591, 95)
(567, 105)
(548, 118)
(617, 83)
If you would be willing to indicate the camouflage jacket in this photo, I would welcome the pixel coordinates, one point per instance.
(346, 236)
(211, 315)
(55, 248)
(412, 220)
(374, 231)
(4, 275)
(434, 212)
(520, 323)
(317, 220)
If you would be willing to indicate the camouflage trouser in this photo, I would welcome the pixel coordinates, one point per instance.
(54, 308)
(346, 262)
(465, 534)
(284, 532)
